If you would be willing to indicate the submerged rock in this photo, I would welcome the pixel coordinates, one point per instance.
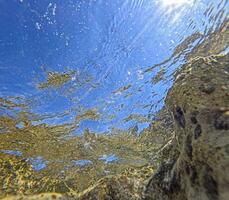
(197, 166)
(199, 103)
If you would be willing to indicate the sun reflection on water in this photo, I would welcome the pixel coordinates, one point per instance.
(176, 3)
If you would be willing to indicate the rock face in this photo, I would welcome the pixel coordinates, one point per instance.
(199, 103)
(197, 165)
(196, 159)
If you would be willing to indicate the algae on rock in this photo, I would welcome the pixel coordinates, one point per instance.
(198, 164)
(199, 102)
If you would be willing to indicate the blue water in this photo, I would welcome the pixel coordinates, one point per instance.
(108, 45)
(11, 152)
(82, 163)
(37, 163)
(109, 158)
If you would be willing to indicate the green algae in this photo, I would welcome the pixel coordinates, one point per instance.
(91, 114)
(59, 152)
(190, 162)
(136, 117)
(122, 89)
(56, 79)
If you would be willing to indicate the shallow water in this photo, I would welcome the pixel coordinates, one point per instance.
(83, 83)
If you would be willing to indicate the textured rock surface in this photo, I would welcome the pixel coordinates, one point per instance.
(196, 159)
(197, 166)
(199, 102)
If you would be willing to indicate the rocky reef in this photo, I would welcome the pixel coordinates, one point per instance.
(197, 165)
(199, 102)
(195, 162)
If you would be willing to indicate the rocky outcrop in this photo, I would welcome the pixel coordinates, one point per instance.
(199, 103)
(196, 160)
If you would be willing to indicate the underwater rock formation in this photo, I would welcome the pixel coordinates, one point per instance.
(199, 102)
(197, 166)
(196, 159)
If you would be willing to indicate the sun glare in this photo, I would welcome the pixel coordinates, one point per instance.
(175, 2)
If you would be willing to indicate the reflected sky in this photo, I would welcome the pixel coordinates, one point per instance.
(68, 58)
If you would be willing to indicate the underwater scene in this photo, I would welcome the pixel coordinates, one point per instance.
(114, 99)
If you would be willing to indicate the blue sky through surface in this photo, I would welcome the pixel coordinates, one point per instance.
(107, 44)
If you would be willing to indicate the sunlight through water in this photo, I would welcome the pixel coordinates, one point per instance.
(176, 3)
